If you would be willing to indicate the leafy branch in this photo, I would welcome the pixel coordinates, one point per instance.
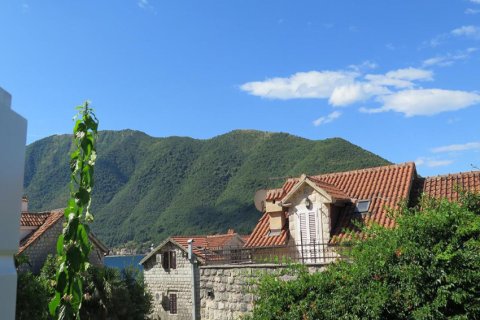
(73, 245)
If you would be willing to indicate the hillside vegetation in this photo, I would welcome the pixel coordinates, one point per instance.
(147, 189)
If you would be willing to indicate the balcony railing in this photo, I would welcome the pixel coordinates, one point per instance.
(312, 253)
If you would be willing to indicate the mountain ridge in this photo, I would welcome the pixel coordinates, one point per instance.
(148, 188)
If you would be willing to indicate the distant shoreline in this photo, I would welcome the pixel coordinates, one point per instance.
(125, 255)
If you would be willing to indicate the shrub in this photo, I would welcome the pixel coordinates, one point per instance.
(428, 267)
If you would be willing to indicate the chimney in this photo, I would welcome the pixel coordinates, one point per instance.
(230, 231)
(24, 204)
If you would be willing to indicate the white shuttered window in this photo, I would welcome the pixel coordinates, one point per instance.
(308, 227)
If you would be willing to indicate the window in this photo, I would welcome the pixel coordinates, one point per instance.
(172, 303)
(308, 227)
(169, 260)
(362, 206)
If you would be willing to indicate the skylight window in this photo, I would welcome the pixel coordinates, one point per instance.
(362, 206)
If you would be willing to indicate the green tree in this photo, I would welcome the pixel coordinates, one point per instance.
(428, 267)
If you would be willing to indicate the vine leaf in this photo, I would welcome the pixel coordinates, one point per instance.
(73, 245)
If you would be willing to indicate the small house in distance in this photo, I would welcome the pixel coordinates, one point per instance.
(39, 233)
(169, 274)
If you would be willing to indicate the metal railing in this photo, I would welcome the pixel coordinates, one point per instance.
(312, 253)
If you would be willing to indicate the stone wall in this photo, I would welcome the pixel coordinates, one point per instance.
(162, 282)
(226, 291)
(46, 244)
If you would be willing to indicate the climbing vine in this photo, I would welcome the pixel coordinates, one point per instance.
(73, 245)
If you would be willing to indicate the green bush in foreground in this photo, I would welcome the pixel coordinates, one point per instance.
(428, 267)
(108, 294)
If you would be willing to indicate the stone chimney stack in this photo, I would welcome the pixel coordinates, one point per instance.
(24, 204)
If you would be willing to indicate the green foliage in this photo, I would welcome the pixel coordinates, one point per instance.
(32, 297)
(108, 293)
(428, 267)
(73, 246)
(115, 295)
(147, 189)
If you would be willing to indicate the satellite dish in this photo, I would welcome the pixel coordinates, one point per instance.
(259, 199)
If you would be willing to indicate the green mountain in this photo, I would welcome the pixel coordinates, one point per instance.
(149, 188)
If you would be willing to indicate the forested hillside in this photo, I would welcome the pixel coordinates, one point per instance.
(149, 188)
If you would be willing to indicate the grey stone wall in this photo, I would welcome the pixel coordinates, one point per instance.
(46, 244)
(161, 282)
(226, 291)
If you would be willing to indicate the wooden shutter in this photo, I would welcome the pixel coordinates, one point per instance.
(173, 303)
(166, 260)
(173, 260)
(312, 227)
(303, 228)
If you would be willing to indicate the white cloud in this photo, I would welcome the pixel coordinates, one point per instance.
(312, 84)
(457, 147)
(410, 74)
(475, 1)
(396, 90)
(430, 162)
(361, 91)
(143, 3)
(390, 46)
(472, 11)
(365, 65)
(467, 31)
(146, 5)
(449, 58)
(426, 102)
(463, 31)
(401, 78)
(327, 119)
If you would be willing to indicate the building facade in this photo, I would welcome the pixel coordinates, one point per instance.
(172, 277)
(39, 233)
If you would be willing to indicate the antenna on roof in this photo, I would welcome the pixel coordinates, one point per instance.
(259, 199)
(474, 166)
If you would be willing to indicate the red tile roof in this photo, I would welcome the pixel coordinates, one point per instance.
(28, 219)
(201, 243)
(446, 186)
(44, 221)
(384, 186)
(51, 219)
(261, 237)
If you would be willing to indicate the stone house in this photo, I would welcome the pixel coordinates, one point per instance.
(39, 232)
(171, 275)
(310, 215)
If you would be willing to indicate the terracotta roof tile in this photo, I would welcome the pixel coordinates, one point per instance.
(446, 186)
(207, 242)
(29, 219)
(51, 219)
(261, 237)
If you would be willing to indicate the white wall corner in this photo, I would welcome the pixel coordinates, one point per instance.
(12, 160)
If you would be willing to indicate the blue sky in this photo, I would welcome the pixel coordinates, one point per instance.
(398, 78)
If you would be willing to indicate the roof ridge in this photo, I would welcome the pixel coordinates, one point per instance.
(221, 235)
(395, 165)
(452, 174)
(45, 212)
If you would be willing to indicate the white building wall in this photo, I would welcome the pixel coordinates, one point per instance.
(12, 158)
